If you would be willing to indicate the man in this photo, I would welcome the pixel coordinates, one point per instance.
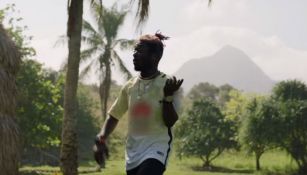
(149, 101)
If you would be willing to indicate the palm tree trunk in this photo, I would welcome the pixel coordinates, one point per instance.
(107, 89)
(69, 146)
(101, 94)
(104, 90)
(9, 130)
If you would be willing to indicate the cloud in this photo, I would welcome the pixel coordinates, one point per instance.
(270, 53)
(199, 9)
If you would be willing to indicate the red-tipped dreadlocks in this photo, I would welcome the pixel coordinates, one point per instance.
(154, 42)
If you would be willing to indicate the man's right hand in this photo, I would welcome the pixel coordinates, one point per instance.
(100, 151)
(100, 147)
(101, 139)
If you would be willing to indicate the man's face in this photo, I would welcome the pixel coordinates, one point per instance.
(142, 59)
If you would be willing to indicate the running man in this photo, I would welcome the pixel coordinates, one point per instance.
(150, 102)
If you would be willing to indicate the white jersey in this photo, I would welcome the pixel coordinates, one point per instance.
(147, 137)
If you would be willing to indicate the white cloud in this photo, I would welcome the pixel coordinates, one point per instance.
(198, 9)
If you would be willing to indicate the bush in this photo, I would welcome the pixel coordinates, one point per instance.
(204, 132)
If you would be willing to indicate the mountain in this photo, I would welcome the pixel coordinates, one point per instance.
(227, 66)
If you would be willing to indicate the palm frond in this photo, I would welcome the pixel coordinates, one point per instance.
(88, 53)
(98, 7)
(124, 44)
(91, 36)
(88, 28)
(142, 12)
(210, 3)
(113, 19)
(87, 69)
(108, 20)
(62, 40)
(97, 2)
(93, 41)
(97, 13)
(118, 61)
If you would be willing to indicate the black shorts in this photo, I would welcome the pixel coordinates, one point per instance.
(148, 167)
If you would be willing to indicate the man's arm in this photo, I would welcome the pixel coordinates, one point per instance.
(108, 127)
(169, 113)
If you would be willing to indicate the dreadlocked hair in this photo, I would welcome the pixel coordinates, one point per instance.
(154, 43)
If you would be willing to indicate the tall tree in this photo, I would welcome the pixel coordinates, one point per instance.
(69, 145)
(291, 97)
(9, 131)
(102, 43)
(204, 132)
(258, 127)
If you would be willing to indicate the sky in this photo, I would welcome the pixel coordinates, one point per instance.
(272, 33)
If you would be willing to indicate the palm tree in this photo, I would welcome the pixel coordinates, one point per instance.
(102, 42)
(10, 58)
(69, 148)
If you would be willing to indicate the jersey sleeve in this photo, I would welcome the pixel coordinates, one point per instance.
(120, 106)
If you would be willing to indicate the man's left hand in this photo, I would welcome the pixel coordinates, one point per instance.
(171, 86)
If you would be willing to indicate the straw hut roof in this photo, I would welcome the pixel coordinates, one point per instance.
(9, 54)
(9, 133)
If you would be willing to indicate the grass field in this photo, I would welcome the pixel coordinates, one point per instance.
(273, 163)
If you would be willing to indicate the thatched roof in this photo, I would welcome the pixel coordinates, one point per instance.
(9, 54)
(9, 133)
(9, 64)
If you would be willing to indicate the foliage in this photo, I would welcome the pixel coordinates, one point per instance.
(234, 111)
(39, 111)
(290, 90)
(294, 131)
(235, 107)
(204, 132)
(291, 99)
(219, 95)
(86, 122)
(259, 127)
(15, 31)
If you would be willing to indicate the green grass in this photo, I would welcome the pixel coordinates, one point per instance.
(273, 163)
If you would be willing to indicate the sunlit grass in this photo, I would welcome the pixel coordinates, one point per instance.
(234, 163)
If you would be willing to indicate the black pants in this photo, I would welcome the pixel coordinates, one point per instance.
(148, 167)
